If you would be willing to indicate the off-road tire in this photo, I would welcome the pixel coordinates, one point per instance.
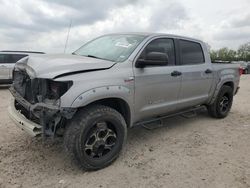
(215, 109)
(79, 127)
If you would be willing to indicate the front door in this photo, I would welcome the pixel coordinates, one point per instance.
(156, 87)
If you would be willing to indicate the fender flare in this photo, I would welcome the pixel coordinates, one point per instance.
(222, 81)
(104, 92)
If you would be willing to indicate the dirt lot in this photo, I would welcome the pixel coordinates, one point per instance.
(186, 152)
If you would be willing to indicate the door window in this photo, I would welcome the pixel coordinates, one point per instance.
(191, 53)
(16, 57)
(161, 45)
(2, 58)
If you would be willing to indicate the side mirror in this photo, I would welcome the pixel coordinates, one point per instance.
(153, 59)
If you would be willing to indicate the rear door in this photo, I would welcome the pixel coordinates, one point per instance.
(4, 71)
(197, 75)
(156, 88)
(12, 59)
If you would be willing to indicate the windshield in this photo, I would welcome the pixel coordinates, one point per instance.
(115, 48)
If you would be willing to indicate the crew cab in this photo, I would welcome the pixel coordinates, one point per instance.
(114, 82)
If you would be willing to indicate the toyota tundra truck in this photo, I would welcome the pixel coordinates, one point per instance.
(112, 83)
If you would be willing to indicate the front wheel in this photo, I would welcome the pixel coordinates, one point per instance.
(95, 136)
(222, 104)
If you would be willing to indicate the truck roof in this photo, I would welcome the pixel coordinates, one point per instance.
(152, 34)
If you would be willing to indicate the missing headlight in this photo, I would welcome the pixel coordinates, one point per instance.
(57, 89)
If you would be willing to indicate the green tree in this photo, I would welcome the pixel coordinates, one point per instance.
(223, 54)
(213, 55)
(243, 52)
(226, 54)
(231, 55)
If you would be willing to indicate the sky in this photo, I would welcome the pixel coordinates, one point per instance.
(42, 25)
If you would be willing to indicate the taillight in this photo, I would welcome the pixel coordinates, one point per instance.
(241, 71)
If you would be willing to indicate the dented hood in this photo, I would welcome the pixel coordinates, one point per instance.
(51, 66)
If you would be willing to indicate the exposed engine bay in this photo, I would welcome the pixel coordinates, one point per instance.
(39, 101)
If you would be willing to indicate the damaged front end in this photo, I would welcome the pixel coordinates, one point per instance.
(38, 101)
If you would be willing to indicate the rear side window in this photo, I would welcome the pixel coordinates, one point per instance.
(16, 57)
(191, 53)
(163, 45)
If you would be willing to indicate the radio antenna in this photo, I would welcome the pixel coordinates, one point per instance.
(66, 43)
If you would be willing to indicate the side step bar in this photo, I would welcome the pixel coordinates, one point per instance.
(157, 122)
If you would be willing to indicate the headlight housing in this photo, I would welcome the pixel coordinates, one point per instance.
(57, 89)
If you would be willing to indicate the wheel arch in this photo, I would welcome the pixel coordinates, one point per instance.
(119, 98)
(230, 84)
(227, 82)
(118, 104)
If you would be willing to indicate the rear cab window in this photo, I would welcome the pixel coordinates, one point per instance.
(191, 53)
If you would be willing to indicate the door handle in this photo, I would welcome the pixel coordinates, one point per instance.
(129, 79)
(176, 73)
(208, 71)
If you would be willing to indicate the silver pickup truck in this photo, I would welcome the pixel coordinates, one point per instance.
(115, 82)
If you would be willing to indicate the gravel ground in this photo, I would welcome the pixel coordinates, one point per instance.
(185, 152)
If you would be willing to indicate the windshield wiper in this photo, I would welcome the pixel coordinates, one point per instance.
(93, 56)
(98, 57)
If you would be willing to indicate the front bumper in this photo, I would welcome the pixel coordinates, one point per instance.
(22, 122)
(38, 118)
(29, 126)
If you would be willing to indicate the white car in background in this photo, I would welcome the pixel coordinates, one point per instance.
(7, 63)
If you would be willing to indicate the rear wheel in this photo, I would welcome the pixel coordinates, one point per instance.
(222, 104)
(95, 136)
